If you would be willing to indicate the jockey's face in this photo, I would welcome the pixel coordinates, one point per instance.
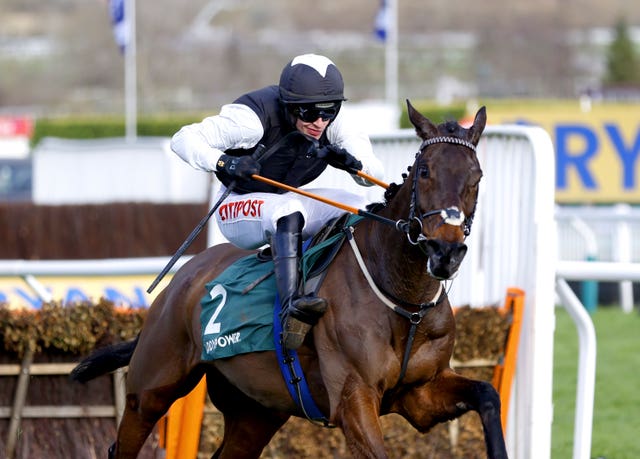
(313, 118)
(313, 129)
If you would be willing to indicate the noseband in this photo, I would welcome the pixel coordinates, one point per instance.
(450, 215)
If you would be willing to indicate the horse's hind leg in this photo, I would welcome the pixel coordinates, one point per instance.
(451, 395)
(142, 411)
(248, 426)
(247, 432)
(138, 420)
(151, 389)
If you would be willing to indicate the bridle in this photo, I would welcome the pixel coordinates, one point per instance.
(449, 215)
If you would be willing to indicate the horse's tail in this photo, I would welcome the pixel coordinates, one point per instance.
(104, 360)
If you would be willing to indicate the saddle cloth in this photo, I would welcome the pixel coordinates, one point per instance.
(237, 310)
(233, 320)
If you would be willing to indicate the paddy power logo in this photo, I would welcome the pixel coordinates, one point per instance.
(597, 150)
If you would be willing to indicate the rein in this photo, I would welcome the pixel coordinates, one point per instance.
(450, 215)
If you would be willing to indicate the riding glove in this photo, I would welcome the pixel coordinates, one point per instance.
(339, 158)
(238, 166)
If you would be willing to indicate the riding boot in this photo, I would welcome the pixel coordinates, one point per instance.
(300, 313)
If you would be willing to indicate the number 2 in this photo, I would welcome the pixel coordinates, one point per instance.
(213, 326)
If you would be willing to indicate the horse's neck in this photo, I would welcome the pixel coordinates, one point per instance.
(396, 266)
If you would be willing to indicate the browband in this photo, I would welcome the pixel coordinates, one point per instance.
(444, 139)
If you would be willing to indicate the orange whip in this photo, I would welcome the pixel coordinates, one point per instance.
(339, 205)
(372, 179)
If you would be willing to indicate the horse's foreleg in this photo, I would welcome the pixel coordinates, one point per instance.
(484, 399)
(450, 396)
(487, 404)
(358, 416)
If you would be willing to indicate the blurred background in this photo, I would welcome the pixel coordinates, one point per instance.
(82, 122)
(76, 183)
(58, 57)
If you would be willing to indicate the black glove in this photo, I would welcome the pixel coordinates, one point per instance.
(339, 158)
(238, 166)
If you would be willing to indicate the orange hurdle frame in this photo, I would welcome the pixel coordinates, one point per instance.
(179, 429)
(504, 371)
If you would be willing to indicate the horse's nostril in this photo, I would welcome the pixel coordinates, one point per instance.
(442, 248)
(460, 250)
(444, 257)
(446, 254)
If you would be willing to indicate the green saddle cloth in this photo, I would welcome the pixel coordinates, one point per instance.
(234, 321)
(237, 310)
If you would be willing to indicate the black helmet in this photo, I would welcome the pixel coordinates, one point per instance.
(311, 78)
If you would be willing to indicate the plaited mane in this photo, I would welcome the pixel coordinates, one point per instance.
(389, 194)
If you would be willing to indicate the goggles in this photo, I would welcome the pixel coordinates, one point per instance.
(311, 112)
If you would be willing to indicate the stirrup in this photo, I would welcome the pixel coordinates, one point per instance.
(300, 316)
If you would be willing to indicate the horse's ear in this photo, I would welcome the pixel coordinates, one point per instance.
(479, 123)
(424, 128)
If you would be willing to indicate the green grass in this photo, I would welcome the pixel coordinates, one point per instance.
(616, 416)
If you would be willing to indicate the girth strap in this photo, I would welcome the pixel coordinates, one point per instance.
(294, 376)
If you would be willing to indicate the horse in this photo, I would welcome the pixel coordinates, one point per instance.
(383, 346)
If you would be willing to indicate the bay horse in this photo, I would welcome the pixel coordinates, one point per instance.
(383, 346)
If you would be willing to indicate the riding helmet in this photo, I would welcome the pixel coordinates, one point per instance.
(311, 78)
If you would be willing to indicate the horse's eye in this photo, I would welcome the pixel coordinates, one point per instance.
(423, 171)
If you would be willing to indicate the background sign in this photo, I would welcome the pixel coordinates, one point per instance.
(15, 132)
(125, 291)
(597, 147)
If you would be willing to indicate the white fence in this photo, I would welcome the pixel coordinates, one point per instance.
(601, 233)
(598, 232)
(67, 171)
(512, 244)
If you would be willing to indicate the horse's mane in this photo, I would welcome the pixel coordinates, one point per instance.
(389, 194)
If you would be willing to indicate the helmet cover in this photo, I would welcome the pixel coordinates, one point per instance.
(311, 78)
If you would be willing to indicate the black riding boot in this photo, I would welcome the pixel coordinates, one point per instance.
(300, 313)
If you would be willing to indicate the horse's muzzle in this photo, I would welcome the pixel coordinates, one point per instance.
(444, 258)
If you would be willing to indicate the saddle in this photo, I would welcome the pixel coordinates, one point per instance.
(319, 252)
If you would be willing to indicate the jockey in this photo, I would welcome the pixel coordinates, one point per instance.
(307, 100)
